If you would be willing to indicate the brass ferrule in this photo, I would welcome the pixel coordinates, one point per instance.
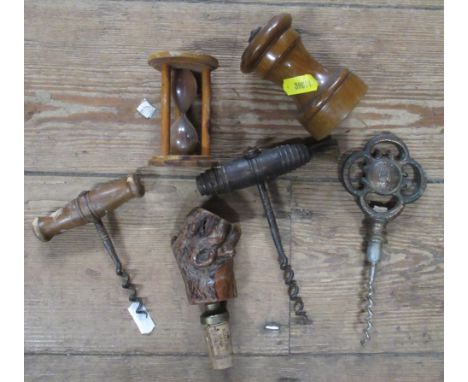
(217, 333)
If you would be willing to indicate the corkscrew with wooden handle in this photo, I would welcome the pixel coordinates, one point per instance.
(90, 207)
(257, 167)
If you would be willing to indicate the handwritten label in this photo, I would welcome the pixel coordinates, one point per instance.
(300, 84)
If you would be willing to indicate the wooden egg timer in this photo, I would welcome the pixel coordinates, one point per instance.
(181, 144)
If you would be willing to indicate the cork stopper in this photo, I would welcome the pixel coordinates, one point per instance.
(215, 322)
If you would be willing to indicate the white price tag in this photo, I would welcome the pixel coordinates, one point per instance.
(146, 109)
(144, 322)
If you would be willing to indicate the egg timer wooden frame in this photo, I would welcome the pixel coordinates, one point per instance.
(200, 66)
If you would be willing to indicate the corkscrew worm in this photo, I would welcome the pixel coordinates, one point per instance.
(288, 273)
(90, 207)
(110, 249)
(379, 178)
(257, 167)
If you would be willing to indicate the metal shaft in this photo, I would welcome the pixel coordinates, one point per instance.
(256, 167)
(110, 249)
(374, 253)
(370, 305)
(288, 273)
(382, 190)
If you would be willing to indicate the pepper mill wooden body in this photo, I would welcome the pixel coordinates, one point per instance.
(204, 251)
(276, 53)
(181, 144)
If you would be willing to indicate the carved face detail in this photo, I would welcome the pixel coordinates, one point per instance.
(204, 249)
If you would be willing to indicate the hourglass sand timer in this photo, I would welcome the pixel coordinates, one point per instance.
(182, 144)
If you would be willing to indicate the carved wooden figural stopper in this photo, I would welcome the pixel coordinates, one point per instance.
(182, 143)
(204, 250)
(324, 97)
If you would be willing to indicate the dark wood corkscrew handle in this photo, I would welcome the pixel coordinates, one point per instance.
(88, 207)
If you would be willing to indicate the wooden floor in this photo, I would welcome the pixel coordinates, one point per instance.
(85, 73)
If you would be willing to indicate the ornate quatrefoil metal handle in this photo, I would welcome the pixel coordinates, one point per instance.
(383, 178)
(384, 172)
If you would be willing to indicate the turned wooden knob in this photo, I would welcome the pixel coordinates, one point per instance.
(276, 53)
(88, 207)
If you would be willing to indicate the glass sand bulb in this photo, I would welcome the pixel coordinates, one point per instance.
(184, 137)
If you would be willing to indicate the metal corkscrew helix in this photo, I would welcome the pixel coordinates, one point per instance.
(379, 178)
(90, 207)
(288, 273)
(257, 167)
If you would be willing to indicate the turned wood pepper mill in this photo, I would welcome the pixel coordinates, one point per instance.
(181, 74)
(90, 207)
(323, 97)
(204, 250)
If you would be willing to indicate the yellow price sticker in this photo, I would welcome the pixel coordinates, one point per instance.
(300, 84)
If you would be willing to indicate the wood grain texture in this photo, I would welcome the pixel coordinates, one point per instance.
(86, 71)
(204, 249)
(336, 368)
(73, 301)
(398, 4)
(120, 148)
(403, 4)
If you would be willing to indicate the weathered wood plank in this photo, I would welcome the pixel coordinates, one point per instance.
(73, 301)
(85, 72)
(337, 368)
(410, 283)
(394, 50)
(328, 257)
(406, 4)
(103, 147)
